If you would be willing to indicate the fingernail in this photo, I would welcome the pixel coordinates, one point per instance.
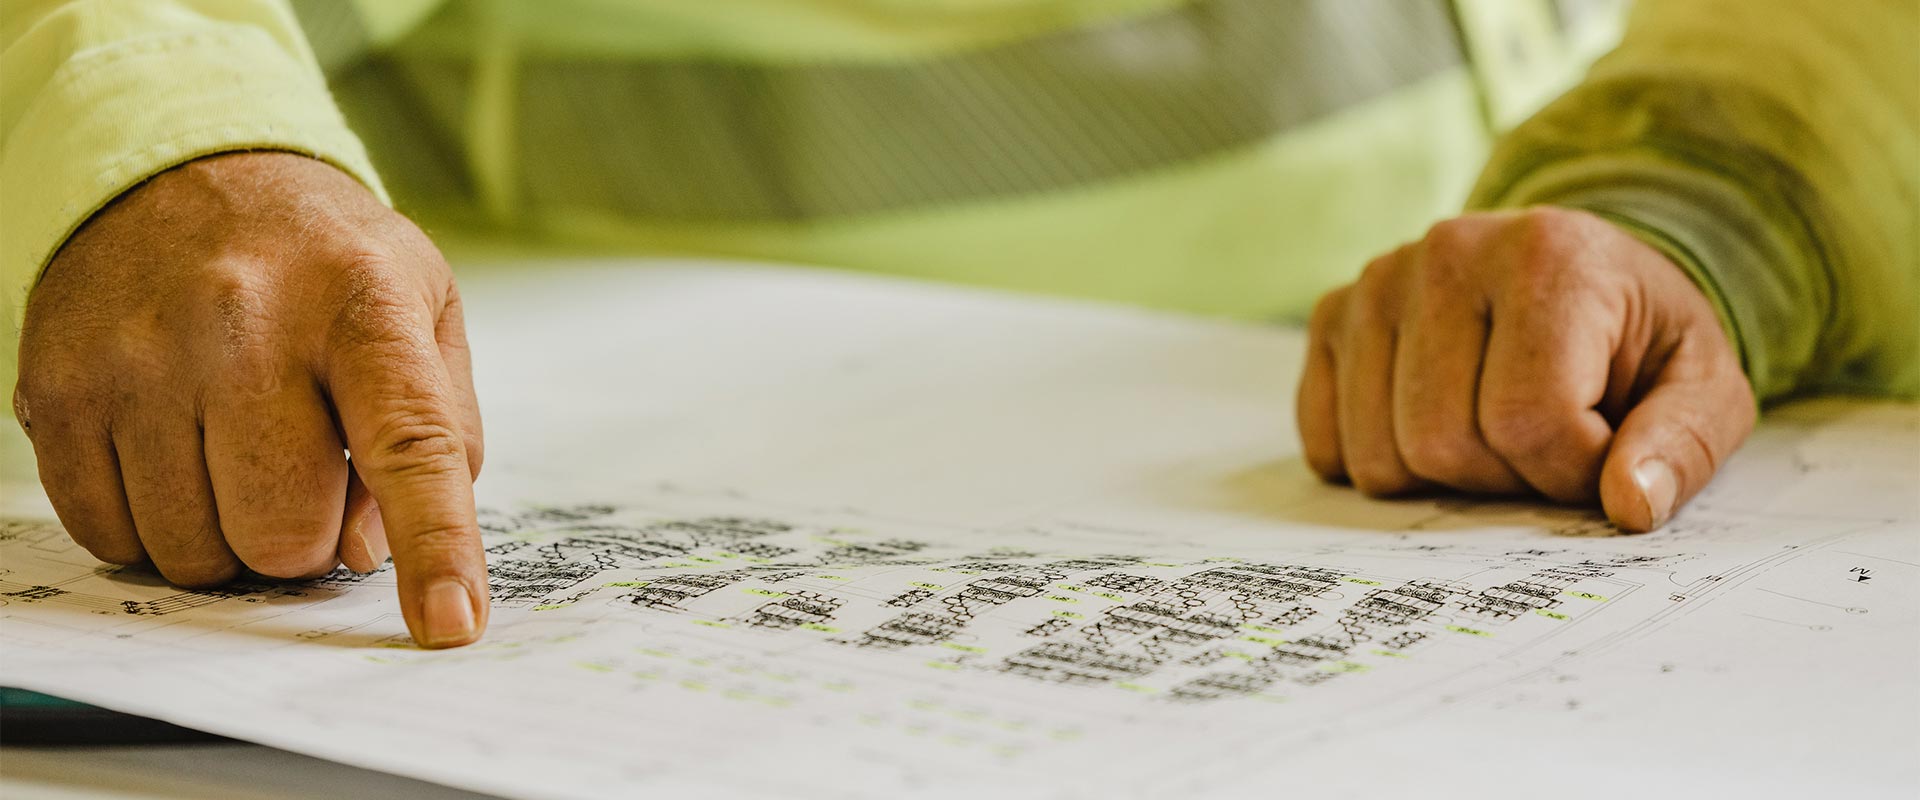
(372, 532)
(1658, 485)
(447, 614)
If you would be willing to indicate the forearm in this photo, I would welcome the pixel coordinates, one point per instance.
(1772, 149)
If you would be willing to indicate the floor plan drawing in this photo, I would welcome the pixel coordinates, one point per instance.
(942, 546)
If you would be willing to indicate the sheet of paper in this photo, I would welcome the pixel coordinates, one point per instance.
(803, 535)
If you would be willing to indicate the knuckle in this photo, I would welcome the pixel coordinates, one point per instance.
(1326, 313)
(375, 302)
(233, 291)
(1378, 294)
(1372, 310)
(1553, 221)
(285, 547)
(441, 548)
(407, 242)
(1448, 235)
(1543, 239)
(1440, 457)
(1517, 428)
(244, 333)
(199, 571)
(114, 550)
(414, 442)
(1375, 479)
(1325, 465)
(1378, 274)
(1318, 445)
(286, 562)
(76, 372)
(251, 372)
(46, 394)
(20, 405)
(1440, 278)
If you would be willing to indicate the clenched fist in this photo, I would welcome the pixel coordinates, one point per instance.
(1541, 351)
(200, 355)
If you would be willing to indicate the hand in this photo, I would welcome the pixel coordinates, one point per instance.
(1538, 351)
(197, 354)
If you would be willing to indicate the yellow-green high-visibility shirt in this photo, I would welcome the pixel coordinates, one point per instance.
(1228, 157)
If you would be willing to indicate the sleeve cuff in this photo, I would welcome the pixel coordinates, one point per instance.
(113, 117)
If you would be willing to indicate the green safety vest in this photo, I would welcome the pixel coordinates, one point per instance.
(1234, 157)
(1226, 157)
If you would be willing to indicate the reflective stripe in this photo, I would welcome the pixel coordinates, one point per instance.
(733, 141)
(728, 141)
(334, 30)
(342, 32)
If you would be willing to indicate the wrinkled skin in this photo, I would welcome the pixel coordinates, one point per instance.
(201, 357)
(197, 357)
(1540, 352)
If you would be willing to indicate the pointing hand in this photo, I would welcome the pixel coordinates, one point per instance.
(200, 353)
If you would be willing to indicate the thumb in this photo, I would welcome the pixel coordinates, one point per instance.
(1699, 410)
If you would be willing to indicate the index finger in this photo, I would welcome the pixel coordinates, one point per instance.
(400, 409)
